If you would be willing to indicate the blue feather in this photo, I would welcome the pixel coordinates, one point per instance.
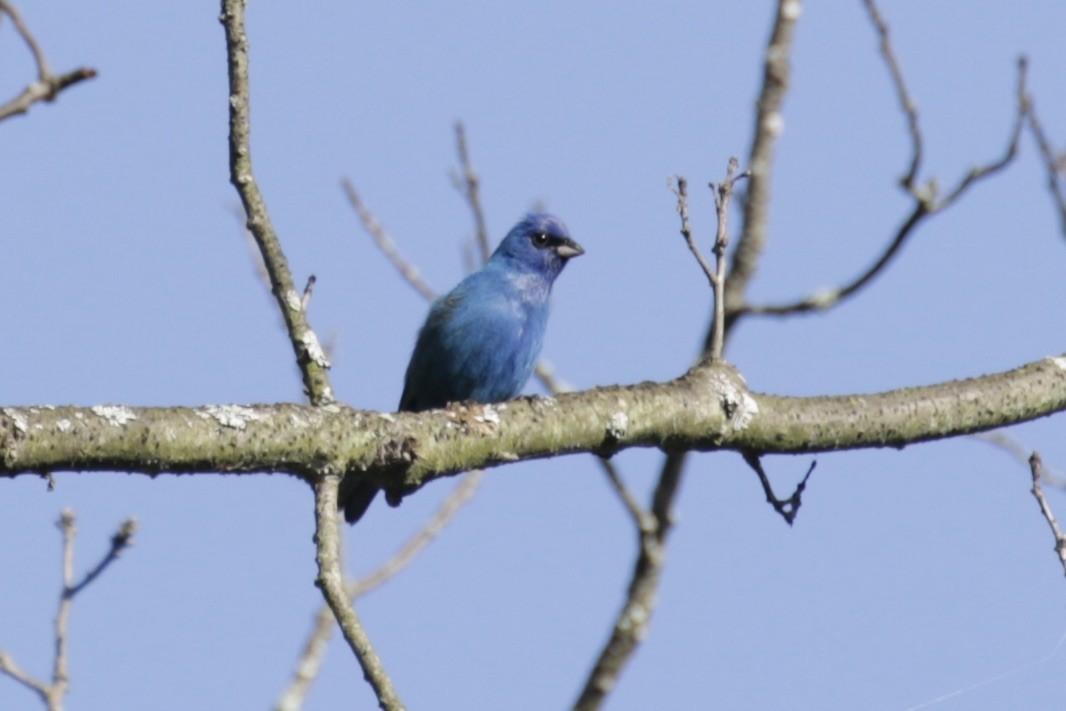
(482, 339)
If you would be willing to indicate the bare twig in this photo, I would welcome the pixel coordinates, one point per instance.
(12, 669)
(386, 244)
(1036, 465)
(468, 186)
(1020, 453)
(654, 525)
(926, 204)
(330, 581)
(641, 518)
(722, 193)
(632, 621)
(769, 124)
(52, 694)
(310, 662)
(787, 508)
(906, 103)
(980, 172)
(403, 557)
(314, 651)
(1055, 163)
(310, 357)
(308, 290)
(48, 85)
(680, 189)
(631, 624)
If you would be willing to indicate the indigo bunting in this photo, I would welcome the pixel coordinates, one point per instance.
(482, 339)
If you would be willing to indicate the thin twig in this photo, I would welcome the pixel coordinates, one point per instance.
(787, 508)
(1054, 162)
(469, 186)
(310, 357)
(926, 204)
(1020, 453)
(632, 623)
(310, 662)
(980, 172)
(722, 193)
(386, 244)
(330, 580)
(906, 103)
(1036, 465)
(48, 85)
(403, 557)
(641, 519)
(60, 667)
(13, 670)
(44, 71)
(679, 186)
(52, 694)
(308, 290)
(122, 540)
(769, 123)
(314, 650)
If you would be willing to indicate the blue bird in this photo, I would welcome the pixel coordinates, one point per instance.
(482, 339)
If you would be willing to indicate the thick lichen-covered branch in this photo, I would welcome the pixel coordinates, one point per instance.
(707, 409)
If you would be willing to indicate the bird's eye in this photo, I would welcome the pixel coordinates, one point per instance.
(540, 239)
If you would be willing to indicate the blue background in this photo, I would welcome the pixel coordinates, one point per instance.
(908, 575)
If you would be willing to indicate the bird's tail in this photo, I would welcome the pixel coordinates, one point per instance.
(357, 501)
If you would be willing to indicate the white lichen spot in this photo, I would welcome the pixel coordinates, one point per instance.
(314, 349)
(235, 416)
(79, 416)
(1060, 361)
(619, 423)
(824, 297)
(18, 420)
(116, 415)
(293, 301)
(791, 10)
(739, 406)
(386, 416)
(746, 413)
(488, 415)
(64, 425)
(774, 124)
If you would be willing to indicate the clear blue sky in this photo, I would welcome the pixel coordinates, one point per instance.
(907, 576)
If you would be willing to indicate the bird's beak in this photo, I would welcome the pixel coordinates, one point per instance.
(569, 248)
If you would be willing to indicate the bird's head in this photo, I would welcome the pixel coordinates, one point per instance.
(539, 242)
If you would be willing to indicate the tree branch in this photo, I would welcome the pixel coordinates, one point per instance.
(468, 186)
(331, 581)
(707, 409)
(906, 103)
(1036, 466)
(310, 357)
(48, 85)
(53, 694)
(926, 204)
(1054, 162)
(769, 124)
(786, 508)
(386, 243)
